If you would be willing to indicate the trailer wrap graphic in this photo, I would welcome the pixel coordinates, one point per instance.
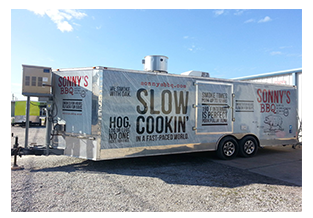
(275, 101)
(140, 111)
(72, 105)
(73, 85)
(157, 123)
(275, 108)
(73, 91)
(214, 106)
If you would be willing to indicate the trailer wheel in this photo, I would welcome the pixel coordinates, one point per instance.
(227, 148)
(248, 146)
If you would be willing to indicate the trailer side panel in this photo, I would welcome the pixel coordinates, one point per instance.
(116, 113)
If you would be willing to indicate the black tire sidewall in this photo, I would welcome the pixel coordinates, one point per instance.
(242, 142)
(220, 152)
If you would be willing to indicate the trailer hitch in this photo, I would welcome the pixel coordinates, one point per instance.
(36, 150)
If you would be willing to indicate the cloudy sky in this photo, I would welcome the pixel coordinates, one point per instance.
(227, 43)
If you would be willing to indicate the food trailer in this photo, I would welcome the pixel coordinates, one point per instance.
(101, 113)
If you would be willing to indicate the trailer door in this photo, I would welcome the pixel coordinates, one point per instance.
(214, 113)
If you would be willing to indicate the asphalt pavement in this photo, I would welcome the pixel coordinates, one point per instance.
(279, 162)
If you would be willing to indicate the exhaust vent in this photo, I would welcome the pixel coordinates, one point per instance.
(155, 63)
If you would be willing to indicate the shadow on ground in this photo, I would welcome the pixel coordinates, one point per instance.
(199, 169)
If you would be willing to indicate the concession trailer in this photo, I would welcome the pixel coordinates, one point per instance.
(101, 113)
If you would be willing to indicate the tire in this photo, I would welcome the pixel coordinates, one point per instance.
(227, 148)
(299, 144)
(248, 146)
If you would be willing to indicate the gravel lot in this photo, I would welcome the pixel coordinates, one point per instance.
(186, 182)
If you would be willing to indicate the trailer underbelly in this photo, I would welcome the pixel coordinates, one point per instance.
(90, 149)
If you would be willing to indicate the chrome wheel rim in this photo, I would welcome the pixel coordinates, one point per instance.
(249, 147)
(229, 149)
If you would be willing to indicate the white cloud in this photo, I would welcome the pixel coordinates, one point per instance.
(75, 13)
(76, 24)
(276, 53)
(59, 17)
(236, 12)
(192, 48)
(265, 19)
(249, 21)
(64, 26)
(218, 12)
(38, 11)
(239, 12)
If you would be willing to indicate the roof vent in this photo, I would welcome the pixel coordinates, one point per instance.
(196, 73)
(155, 63)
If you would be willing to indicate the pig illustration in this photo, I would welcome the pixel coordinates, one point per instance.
(274, 122)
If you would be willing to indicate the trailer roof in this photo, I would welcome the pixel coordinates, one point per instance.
(241, 80)
(284, 72)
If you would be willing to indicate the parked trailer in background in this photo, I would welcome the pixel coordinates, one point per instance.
(19, 108)
(102, 113)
